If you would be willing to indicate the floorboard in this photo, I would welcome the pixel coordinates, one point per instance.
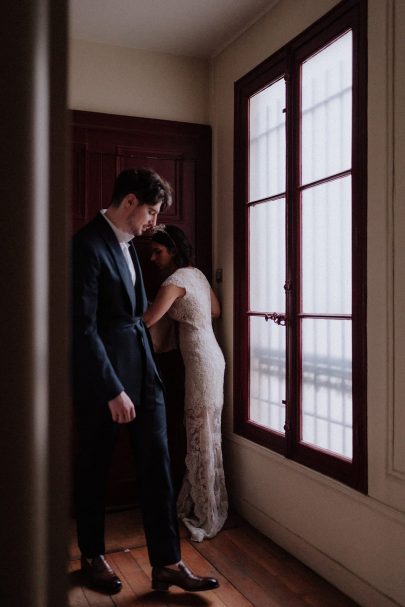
(251, 569)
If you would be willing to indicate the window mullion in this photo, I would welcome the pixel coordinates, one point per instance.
(292, 258)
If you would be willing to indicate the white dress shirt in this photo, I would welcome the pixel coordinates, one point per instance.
(123, 238)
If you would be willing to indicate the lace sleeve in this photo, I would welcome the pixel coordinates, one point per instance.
(176, 279)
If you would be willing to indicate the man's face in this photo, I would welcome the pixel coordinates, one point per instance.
(141, 217)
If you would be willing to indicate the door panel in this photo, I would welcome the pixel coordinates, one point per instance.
(102, 146)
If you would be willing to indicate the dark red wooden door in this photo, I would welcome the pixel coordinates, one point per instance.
(103, 145)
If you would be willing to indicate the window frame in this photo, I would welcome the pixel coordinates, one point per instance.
(349, 14)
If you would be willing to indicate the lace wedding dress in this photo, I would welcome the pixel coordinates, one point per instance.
(202, 504)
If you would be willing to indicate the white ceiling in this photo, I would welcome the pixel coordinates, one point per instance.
(197, 28)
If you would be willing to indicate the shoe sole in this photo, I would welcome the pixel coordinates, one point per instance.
(163, 586)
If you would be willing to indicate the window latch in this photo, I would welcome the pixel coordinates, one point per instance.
(279, 319)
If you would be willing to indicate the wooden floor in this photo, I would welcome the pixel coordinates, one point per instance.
(252, 571)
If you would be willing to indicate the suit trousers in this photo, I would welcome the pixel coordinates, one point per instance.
(96, 438)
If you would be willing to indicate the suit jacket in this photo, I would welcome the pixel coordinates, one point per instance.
(112, 349)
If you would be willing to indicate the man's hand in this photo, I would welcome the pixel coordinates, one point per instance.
(122, 408)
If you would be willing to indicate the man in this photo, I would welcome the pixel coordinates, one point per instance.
(116, 381)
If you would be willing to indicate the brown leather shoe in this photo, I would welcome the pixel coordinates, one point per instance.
(100, 574)
(163, 577)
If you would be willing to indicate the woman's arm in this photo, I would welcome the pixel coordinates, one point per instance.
(215, 307)
(164, 300)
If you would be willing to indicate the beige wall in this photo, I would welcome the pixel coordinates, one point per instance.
(355, 541)
(131, 82)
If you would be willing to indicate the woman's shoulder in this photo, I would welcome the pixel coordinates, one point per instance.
(183, 277)
(178, 277)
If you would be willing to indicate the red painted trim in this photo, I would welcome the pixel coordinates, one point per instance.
(268, 199)
(349, 14)
(314, 184)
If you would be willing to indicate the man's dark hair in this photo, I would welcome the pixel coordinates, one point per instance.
(175, 240)
(148, 187)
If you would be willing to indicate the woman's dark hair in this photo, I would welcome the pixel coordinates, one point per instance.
(175, 240)
(148, 187)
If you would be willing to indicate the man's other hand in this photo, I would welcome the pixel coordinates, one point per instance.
(122, 408)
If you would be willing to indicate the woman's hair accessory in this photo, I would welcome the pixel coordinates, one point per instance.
(161, 228)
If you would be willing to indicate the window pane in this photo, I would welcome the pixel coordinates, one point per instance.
(327, 385)
(267, 373)
(267, 142)
(327, 111)
(326, 248)
(267, 256)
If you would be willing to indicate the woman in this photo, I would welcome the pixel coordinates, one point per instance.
(186, 295)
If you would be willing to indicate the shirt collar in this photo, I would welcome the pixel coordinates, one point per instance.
(122, 237)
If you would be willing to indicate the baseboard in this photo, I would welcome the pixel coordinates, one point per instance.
(334, 572)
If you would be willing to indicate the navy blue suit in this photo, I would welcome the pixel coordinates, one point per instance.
(112, 352)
